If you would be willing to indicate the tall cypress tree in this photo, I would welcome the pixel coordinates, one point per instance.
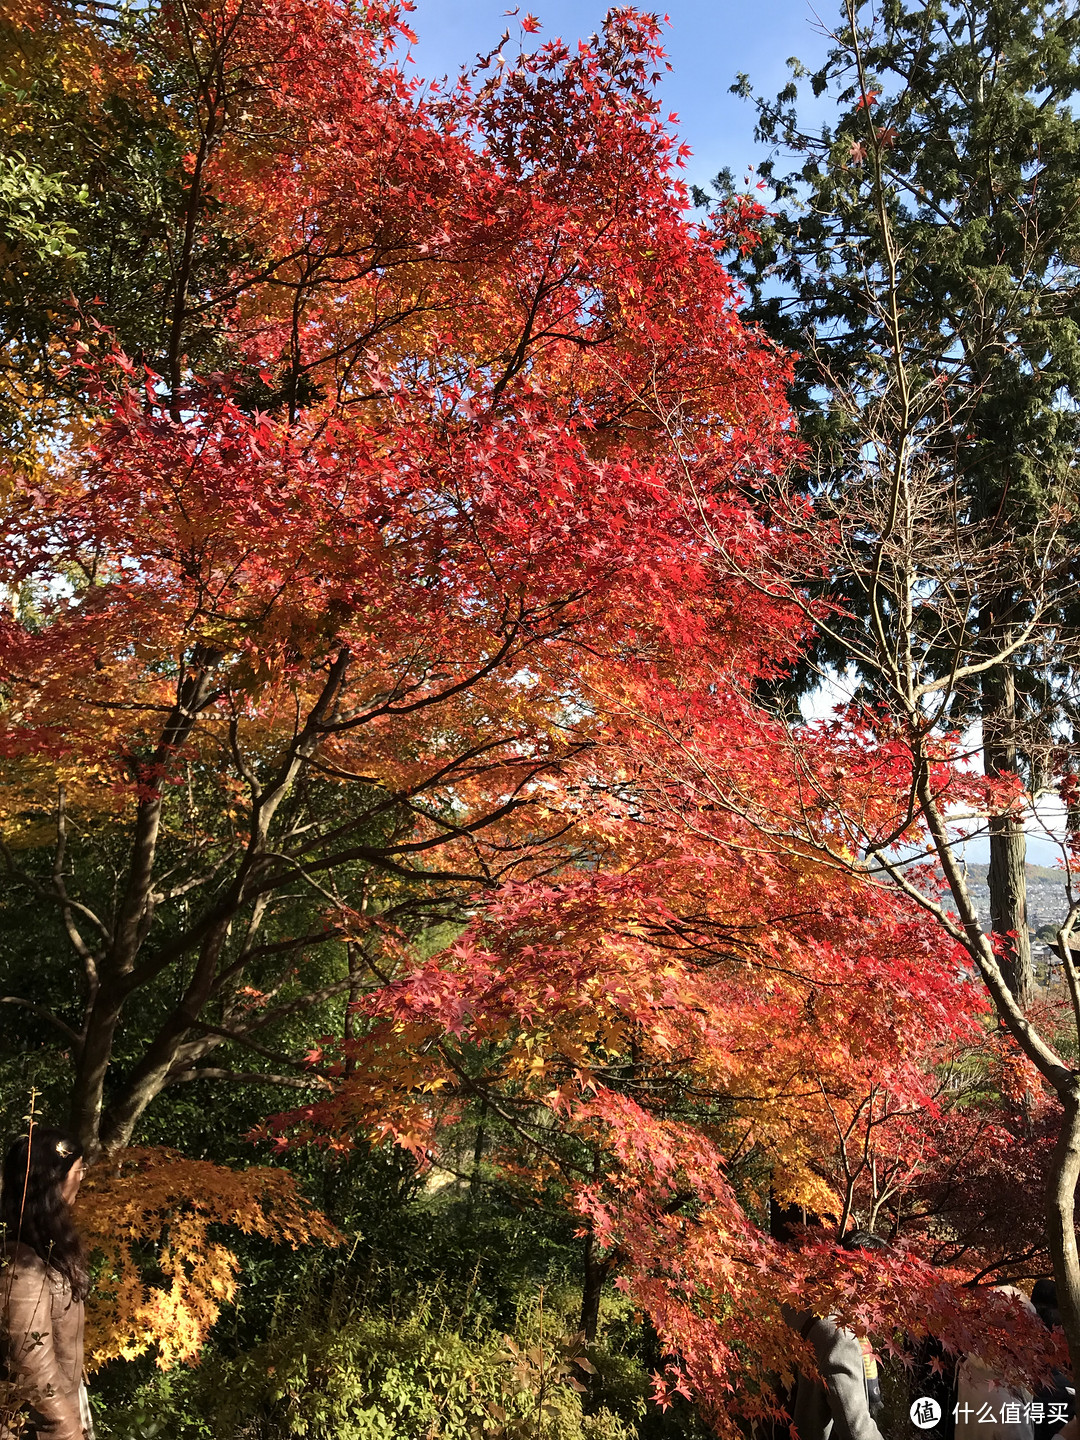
(977, 163)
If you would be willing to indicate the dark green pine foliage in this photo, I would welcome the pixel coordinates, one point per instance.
(977, 114)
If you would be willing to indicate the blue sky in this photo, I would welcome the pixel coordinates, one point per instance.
(707, 45)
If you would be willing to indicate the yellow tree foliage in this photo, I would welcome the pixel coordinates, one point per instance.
(156, 1203)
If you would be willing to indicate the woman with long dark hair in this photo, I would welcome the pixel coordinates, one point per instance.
(43, 1284)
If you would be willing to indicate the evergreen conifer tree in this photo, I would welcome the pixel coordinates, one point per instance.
(977, 166)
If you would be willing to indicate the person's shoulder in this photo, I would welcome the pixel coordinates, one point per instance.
(24, 1276)
(18, 1251)
(19, 1259)
(795, 1318)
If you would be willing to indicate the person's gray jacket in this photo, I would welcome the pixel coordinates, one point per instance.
(837, 1409)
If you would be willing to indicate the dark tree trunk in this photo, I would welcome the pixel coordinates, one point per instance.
(1008, 904)
(1008, 844)
(595, 1273)
(94, 1058)
(477, 1156)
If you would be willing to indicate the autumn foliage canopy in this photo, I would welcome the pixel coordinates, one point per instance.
(400, 618)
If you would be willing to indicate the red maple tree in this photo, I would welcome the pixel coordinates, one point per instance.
(413, 613)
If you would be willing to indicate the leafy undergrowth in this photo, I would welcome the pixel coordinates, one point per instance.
(369, 1376)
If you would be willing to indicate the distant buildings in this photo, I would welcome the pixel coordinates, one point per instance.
(1047, 906)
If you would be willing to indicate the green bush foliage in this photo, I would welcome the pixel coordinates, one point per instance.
(373, 1378)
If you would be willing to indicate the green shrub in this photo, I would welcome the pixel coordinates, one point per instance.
(374, 1378)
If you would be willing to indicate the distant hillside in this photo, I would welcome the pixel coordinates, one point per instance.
(1037, 872)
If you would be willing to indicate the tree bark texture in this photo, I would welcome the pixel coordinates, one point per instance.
(1061, 1218)
(595, 1273)
(1007, 877)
